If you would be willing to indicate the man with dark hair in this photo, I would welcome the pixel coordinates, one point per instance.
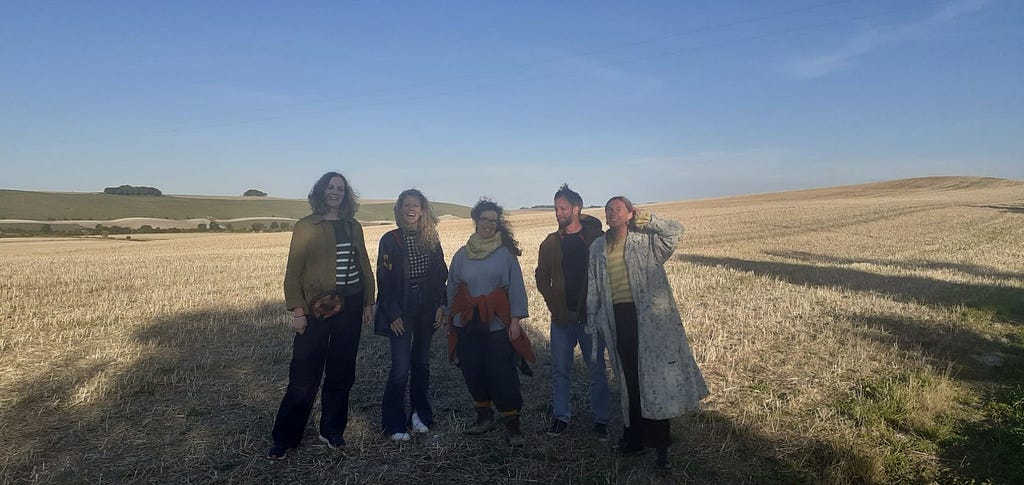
(562, 281)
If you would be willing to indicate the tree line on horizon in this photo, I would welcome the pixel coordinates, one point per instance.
(101, 230)
(153, 191)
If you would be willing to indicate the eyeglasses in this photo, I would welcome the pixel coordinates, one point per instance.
(484, 220)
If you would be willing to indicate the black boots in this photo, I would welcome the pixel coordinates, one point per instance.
(663, 463)
(513, 435)
(626, 448)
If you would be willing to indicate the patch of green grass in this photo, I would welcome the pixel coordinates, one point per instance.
(914, 403)
(992, 449)
(908, 413)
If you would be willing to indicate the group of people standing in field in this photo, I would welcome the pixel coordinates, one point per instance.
(605, 290)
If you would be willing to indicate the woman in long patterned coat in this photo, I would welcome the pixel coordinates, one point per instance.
(630, 303)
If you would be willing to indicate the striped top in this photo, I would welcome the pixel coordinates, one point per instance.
(347, 276)
(618, 277)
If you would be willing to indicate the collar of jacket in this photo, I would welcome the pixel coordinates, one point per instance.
(587, 224)
(318, 218)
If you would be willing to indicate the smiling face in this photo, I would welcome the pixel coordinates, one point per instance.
(411, 210)
(616, 214)
(565, 213)
(487, 224)
(334, 193)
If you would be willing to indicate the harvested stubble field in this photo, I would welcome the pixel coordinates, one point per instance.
(859, 334)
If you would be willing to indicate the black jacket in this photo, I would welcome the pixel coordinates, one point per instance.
(392, 274)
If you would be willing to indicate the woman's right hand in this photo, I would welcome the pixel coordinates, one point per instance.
(514, 330)
(299, 324)
(398, 327)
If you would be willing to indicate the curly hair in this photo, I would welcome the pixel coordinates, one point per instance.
(349, 204)
(426, 228)
(508, 239)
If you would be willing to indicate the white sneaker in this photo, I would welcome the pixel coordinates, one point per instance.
(417, 425)
(401, 437)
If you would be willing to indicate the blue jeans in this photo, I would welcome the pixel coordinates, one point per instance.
(564, 339)
(410, 354)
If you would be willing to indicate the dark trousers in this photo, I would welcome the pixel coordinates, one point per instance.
(327, 350)
(410, 354)
(653, 433)
(489, 367)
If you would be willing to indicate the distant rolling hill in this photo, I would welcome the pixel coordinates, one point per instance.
(58, 206)
(919, 186)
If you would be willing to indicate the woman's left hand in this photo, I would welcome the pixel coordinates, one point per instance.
(514, 330)
(367, 314)
(439, 317)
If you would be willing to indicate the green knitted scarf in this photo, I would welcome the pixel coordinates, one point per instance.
(479, 248)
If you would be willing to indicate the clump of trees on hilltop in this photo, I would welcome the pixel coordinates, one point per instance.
(132, 190)
(254, 193)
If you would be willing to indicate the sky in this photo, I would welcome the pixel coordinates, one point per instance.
(655, 100)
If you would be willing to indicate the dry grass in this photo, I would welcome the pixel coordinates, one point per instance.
(847, 336)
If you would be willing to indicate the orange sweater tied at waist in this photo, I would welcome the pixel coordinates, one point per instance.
(493, 304)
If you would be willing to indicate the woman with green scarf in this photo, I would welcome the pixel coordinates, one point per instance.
(487, 299)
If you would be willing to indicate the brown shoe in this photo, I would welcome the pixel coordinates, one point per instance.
(484, 422)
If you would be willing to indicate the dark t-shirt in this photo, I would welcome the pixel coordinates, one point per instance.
(574, 267)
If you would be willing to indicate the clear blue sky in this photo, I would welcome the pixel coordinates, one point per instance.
(654, 100)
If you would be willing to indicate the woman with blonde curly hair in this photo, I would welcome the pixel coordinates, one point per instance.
(411, 275)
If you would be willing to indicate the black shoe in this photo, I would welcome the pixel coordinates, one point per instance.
(557, 427)
(663, 464)
(513, 435)
(601, 431)
(277, 451)
(333, 441)
(625, 448)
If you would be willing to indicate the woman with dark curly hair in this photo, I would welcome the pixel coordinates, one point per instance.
(411, 275)
(487, 300)
(329, 288)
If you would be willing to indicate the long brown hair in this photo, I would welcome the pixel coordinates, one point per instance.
(349, 204)
(507, 238)
(630, 226)
(426, 228)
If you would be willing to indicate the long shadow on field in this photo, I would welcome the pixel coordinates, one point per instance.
(1007, 303)
(1011, 208)
(909, 264)
(711, 447)
(198, 402)
(969, 354)
(188, 408)
(35, 420)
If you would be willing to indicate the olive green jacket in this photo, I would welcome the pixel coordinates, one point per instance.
(312, 261)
